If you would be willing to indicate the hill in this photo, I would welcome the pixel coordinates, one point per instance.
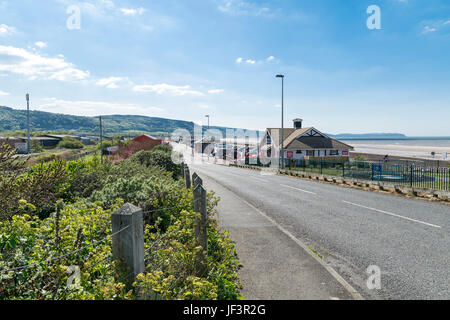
(368, 136)
(15, 120)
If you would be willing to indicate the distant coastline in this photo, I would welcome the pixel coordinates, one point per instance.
(390, 138)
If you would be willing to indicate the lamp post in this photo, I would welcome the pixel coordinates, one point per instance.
(207, 116)
(282, 119)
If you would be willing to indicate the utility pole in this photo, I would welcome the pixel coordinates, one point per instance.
(207, 116)
(101, 140)
(282, 119)
(28, 123)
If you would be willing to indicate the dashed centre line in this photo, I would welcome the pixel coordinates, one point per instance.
(306, 191)
(392, 214)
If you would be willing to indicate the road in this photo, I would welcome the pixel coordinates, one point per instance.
(351, 229)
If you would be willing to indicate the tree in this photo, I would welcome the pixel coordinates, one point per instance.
(70, 143)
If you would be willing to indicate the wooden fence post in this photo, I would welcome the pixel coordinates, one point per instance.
(187, 177)
(201, 229)
(128, 244)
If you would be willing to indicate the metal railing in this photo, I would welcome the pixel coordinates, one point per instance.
(412, 175)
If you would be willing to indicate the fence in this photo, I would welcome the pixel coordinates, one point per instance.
(399, 173)
(411, 175)
(128, 239)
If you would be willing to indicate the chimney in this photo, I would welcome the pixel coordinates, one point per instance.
(298, 123)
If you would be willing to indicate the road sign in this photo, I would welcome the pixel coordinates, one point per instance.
(290, 154)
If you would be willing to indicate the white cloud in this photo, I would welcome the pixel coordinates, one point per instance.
(20, 61)
(215, 91)
(6, 30)
(447, 22)
(241, 7)
(111, 82)
(132, 12)
(164, 88)
(3, 93)
(253, 61)
(93, 108)
(40, 44)
(428, 29)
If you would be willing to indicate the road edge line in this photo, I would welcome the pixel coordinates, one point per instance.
(352, 291)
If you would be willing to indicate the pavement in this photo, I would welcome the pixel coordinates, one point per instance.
(277, 222)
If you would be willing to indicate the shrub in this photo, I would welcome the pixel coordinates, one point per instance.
(30, 241)
(172, 269)
(36, 146)
(158, 158)
(70, 143)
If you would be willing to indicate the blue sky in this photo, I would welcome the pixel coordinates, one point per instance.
(185, 59)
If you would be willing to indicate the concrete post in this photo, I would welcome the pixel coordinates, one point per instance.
(198, 182)
(182, 169)
(187, 177)
(201, 229)
(194, 176)
(128, 245)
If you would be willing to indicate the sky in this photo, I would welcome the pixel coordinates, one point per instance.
(347, 69)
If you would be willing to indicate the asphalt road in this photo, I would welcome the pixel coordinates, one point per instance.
(351, 229)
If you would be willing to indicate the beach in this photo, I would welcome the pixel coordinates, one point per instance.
(411, 148)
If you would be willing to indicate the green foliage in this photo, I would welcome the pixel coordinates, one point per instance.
(108, 143)
(36, 146)
(36, 227)
(40, 185)
(159, 157)
(27, 240)
(70, 143)
(172, 269)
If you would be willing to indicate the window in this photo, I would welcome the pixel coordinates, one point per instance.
(310, 153)
(269, 140)
(334, 152)
(298, 152)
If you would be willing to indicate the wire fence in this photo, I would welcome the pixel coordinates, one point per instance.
(64, 255)
(47, 278)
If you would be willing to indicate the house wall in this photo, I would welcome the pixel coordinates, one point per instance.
(317, 153)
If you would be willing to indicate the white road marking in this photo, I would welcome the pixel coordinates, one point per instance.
(283, 185)
(393, 214)
(258, 179)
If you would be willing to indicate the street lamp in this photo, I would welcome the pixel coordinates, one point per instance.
(282, 119)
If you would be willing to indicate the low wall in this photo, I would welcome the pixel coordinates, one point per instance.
(430, 194)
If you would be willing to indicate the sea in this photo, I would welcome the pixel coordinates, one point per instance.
(420, 147)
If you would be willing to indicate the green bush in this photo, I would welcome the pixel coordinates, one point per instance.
(35, 227)
(70, 143)
(158, 158)
(27, 240)
(36, 146)
(172, 270)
